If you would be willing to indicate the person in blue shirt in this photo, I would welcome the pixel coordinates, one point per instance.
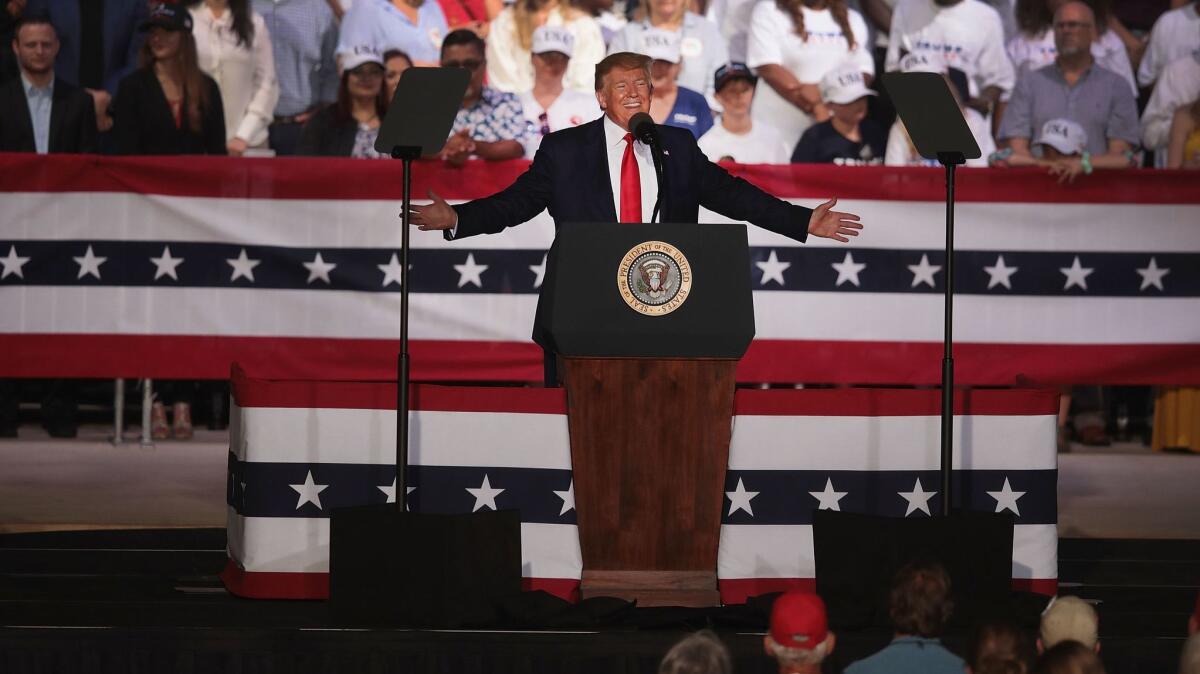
(919, 606)
(416, 27)
(672, 104)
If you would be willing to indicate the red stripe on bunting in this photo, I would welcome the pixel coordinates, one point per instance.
(738, 590)
(782, 361)
(877, 402)
(281, 585)
(327, 178)
(252, 392)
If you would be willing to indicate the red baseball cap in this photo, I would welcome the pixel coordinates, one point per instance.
(798, 620)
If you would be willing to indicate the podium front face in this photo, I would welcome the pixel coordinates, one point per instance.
(650, 321)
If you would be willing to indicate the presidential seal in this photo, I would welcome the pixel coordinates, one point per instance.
(654, 278)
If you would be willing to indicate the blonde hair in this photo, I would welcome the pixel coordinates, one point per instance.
(676, 18)
(524, 12)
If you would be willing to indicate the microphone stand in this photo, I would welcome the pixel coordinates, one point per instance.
(657, 154)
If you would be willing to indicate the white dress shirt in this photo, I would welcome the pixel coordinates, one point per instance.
(614, 143)
(244, 74)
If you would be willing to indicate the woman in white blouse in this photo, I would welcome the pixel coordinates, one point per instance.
(702, 47)
(792, 45)
(235, 50)
(509, 64)
(1033, 47)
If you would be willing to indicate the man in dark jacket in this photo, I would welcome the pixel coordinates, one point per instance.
(39, 112)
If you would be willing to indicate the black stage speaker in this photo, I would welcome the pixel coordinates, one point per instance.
(858, 555)
(388, 568)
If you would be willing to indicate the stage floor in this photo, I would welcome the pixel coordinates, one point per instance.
(1124, 491)
(144, 596)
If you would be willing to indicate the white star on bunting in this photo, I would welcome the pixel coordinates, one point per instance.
(1076, 274)
(1006, 498)
(539, 272)
(13, 263)
(310, 492)
(165, 265)
(923, 272)
(918, 499)
(389, 490)
(828, 499)
(319, 269)
(739, 499)
(89, 264)
(243, 266)
(469, 272)
(772, 269)
(485, 495)
(848, 270)
(391, 271)
(1152, 275)
(1001, 275)
(568, 498)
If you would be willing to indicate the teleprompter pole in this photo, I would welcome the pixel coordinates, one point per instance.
(407, 155)
(950, 160)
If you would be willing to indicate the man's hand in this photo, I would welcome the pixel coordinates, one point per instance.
(437, 215)
(236, 147)
(458, 149)
(834, 225)
(101, 99)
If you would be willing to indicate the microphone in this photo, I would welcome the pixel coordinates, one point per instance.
(643, 128)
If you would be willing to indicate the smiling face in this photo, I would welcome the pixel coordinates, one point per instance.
(625, 93)
(365, 80)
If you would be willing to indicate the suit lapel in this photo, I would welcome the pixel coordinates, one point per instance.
(58, 108)
(601, 181)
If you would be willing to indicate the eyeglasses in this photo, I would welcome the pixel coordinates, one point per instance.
(472, 64)
(544, 119)
(1071, 25)
(367, 72)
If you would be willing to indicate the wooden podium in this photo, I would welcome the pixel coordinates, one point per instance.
(649, 397)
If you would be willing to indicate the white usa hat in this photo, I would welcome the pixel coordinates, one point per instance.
(923, 62)
(844, 85)
(661, 45)
(359, 55)
(1063, 135)
(553, 38)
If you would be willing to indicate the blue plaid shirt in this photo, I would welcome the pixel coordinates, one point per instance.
(495, 116)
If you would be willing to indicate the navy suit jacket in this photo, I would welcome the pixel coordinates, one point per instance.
(120, 30)
(569, 176)
(72, 119)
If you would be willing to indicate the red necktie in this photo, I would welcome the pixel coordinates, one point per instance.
(631, 185)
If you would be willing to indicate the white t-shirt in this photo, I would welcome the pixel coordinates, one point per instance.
(773, 39)
(900, 150)
(510, 68)
(762, 145)
(732, 17)
(571, 108)
(1033, 52)
(1175, 35)
(968, 35)
(1177, 86)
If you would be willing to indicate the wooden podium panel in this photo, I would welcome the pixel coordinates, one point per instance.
(649, 448)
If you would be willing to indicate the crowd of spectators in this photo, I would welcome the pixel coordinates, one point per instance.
(1050, 83)
(1064, 85)
(919, 603)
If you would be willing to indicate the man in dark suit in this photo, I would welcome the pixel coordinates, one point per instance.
(597, 172)
(38, 111)
(41, 113)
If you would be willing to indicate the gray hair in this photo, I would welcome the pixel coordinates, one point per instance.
(798, 656)
(699, 653)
